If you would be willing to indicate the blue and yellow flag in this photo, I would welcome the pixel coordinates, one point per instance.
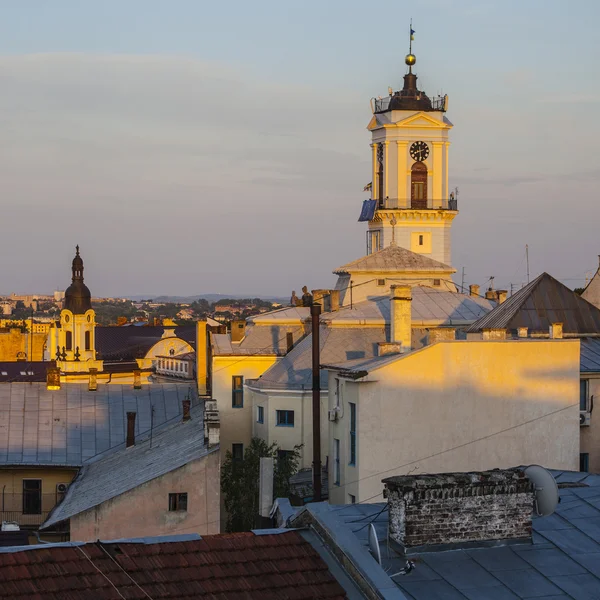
(412, 34)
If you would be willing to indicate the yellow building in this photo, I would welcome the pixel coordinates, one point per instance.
(19, 345)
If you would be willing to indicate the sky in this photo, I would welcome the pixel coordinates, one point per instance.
(197, 147)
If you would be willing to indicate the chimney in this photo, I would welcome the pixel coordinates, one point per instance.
(201, 357)
(385, 348)
(522, 332)
(441, 334)
(212, 423)
(321, 296)
(493, 334)
(137, 380)
(53, 378)
(501, 294)
(556, 331)
(93, 380)
(289, 341)
(130, 429)
(430, 512)
(491, 295)
(474, 290)
(400, 316)
(186, 410)
(334, 296)
(265, 489)
(238, 330)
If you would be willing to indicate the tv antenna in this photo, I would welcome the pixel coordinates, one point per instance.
(545, 489)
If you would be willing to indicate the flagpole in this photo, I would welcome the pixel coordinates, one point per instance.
(410, 38)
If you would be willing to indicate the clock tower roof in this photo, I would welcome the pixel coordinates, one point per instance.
(78, 298)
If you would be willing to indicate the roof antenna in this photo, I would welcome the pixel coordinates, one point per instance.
(527, 257)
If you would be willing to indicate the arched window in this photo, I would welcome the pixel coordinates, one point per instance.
(418, 185)
(88, 340)
(69, 340)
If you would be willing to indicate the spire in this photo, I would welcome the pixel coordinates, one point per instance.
(78, 298)
(410, 59)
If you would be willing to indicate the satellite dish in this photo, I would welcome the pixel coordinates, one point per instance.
(546, 489)
(374, 543)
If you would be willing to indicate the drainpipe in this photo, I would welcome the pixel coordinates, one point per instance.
(315, 311)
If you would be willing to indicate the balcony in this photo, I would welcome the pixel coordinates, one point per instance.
(437, 103)
(29, 511)
(404, 204)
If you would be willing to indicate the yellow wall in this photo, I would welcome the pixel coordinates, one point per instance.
(420, 413)
(14, 341)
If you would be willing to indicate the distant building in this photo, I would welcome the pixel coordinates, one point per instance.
(178, 366)
(592, 290)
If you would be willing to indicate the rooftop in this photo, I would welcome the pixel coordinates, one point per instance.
(113, 473)
(66, 427)
(540, 303)
(277, 565)
(562, 562)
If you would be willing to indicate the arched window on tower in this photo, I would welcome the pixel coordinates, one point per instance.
(88, 340)
(380, 173)
(69, 340)
(418, 185)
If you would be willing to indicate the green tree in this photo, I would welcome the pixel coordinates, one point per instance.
(240, 480)
(579, 290)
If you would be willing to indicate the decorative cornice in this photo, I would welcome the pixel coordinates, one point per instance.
(413, 214)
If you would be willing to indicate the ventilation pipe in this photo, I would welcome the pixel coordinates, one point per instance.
(130, 429)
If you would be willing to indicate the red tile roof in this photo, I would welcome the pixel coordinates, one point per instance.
(241, 566)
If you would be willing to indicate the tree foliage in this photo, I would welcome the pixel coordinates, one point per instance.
(240, 481)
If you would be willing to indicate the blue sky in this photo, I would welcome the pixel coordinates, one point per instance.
(193, 146)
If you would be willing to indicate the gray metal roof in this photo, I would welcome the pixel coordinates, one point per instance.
(394, 259)
(259, 339)
(539, 304)
(563, 562)
(110, 476)
(590, 355)
(66, 427)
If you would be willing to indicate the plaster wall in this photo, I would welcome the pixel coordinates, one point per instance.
(460, 406)
(14, 342)
(144, 511)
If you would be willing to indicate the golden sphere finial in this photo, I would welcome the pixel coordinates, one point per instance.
(410, 59)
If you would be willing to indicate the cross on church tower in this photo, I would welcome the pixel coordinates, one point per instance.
(411, 202)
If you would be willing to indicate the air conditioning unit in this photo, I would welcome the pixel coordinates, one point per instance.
(333, 414)
(584, 418)
(61, 488)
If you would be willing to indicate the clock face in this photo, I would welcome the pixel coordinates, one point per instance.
(419, 151)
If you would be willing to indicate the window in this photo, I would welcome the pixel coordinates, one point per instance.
(237, 391)
(285, 418)
(336, 462)
(32, 496)
(583, 394)
(381, 282)
(282, 454)
(351, 498)
(584, 462)
(88, 340)
(337, 400)
(185, 366)
(69, 340)
(352, 433)
(260, 414)
(237, 451)
(437, 282)
(420, 240)
(373, 241)
(418, 184)
(178, 502)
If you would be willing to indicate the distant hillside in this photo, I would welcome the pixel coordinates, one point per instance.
(208, 297)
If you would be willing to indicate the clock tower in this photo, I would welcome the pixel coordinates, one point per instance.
(411, 204)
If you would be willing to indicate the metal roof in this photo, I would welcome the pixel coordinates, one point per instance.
(66, 427)
(562, 562)
(590, 355)
(259, 340)
(539, 304)
(118, 472)
(394, 259)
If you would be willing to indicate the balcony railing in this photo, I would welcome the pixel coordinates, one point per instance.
(16, 516)
(382, 104)
(403, 204)
(29, 511)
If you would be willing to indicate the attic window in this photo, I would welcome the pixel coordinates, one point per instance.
(29, 372)
(5, 373)
(23, 372)
(178, 502)
(381, 282)
(437, 282)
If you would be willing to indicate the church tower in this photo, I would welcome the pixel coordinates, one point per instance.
(411, 204)
(72, 341)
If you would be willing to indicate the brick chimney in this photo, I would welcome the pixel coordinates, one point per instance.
(556, 331)
(93, 380)
(186, 410)
(434, 512)
(53, 378)
(474, 290)
(334, 296)
(501, 295)
(441, 334)
(137, 380)
(238, 330)
(400, 316)
(130, 430)
(491, 295)
(522, 332)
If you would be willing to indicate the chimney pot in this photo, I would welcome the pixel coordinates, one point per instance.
(400, 316)
(474, 290)
(556, 331)
(491, 295)
(186, 410)
(130, 429)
